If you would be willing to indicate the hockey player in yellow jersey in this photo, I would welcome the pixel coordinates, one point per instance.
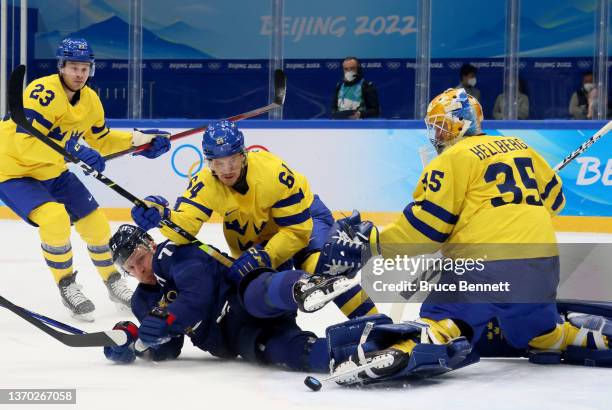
(270, 216)
(490, 199)
(36, 184)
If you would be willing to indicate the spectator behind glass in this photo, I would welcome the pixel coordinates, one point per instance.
(354, 97)
(467, 74)
(579, 103)
(522, 103)
(592, 108)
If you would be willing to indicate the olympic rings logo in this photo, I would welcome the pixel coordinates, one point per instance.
(199, 163)
(197, 166)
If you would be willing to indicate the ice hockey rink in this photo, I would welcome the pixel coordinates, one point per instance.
(30, 359)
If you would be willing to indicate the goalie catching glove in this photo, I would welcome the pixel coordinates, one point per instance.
(349, 245)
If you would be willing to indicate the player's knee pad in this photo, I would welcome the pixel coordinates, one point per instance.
(246, 280)
(94, 228)
(53, 223)
(270, 294)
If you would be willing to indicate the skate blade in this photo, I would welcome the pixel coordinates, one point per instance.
(351, 376)
(312, 304)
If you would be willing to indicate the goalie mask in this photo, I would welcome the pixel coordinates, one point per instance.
(451, 116)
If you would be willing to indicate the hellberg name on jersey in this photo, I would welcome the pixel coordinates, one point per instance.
(483, 190)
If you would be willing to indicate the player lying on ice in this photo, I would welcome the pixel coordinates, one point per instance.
(482, 192)
(270, 216)
(183, 291)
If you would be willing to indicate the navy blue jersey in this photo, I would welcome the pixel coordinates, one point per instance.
(192, 286)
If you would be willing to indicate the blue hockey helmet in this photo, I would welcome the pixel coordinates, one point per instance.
(222, 139)
(75, 49)
(125, 241)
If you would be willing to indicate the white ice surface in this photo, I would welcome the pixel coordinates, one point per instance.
(31, 359)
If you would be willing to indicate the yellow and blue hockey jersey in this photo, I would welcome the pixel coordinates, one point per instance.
(483, 190)
(46, 105)
(273, 210)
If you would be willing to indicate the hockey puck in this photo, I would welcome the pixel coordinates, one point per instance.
(313, 383)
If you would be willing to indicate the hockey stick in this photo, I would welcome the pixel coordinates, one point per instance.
(280, 90)
(18, 116)
(55, 323)
(585, 145)
(107, 338)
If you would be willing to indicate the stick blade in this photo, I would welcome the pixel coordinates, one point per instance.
(280, 86)
(15, 94)
(98, 339)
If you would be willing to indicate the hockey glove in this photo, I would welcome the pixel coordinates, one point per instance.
(159, 140)
(123, 354)
(349, 245)
(157, 327)
(151, 217)
(88, 155)
(253, 258)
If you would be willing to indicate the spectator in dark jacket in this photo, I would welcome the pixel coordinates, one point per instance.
(355, 97)
(579, 103)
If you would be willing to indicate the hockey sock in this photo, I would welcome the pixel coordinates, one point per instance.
(356, 303)
(95, 231)
(559, 338)
(405, 346)
(442, 331)
(54, 231)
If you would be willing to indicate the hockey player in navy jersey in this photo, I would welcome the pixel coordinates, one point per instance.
(183, 291)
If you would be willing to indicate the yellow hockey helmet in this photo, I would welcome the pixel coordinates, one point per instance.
(450, 116)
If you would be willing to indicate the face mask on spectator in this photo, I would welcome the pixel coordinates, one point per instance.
(349, 75)
(588, 87)
(472, 82)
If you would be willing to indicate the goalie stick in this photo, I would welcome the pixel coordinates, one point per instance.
(280, 90)
(585, 145)
(107, 338)
(19, 117)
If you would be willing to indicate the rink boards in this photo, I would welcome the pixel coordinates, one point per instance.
(368, 165)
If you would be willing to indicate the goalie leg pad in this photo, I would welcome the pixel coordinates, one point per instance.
(595, 332)
(343, 338)
(356, 342)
